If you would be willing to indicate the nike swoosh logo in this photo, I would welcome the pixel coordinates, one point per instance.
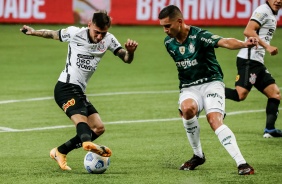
(80, 44)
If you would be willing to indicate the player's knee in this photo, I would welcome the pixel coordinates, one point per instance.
(215, 120)
(99, 130)
(188, 112)
(242, 96)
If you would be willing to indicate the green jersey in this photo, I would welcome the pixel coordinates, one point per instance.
(195, 58)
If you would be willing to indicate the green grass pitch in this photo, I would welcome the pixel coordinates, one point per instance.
(137, 102)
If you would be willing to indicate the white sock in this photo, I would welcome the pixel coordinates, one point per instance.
(228, 140)
(192, 129)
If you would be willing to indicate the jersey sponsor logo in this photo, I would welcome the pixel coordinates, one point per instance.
(85, 56)
(226, 139)
(182, 50)
(207, 40)
(253, 78)
(85, 64)
(69, 103)
(195, 82)
(214, 95)
(186, 63)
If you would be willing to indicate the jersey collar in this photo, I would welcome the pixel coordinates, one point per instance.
(275, 13)
(89, 38)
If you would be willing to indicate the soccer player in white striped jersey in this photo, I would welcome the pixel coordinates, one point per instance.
(250, 64)
(86, 47)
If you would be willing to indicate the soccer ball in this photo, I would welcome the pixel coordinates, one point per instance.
(96, 164)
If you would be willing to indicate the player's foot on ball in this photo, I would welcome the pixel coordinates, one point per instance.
(273, 133)
(60, 158)
(193, 163)
(98, 149)
(245, 169)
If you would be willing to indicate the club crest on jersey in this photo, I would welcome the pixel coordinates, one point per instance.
(252, 78)
(182, 50)
(69, 103)
(101, 46)
(191, 48)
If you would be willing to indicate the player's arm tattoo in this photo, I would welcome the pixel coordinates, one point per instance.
(125, 55)
(50, 34)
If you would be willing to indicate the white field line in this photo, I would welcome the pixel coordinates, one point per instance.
(99, 94)
(5, 129)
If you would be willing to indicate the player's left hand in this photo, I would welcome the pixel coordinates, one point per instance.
(131, 45)
(252, 42)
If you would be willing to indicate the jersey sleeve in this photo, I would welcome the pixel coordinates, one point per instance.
(208, 39)
(114, 45)
(259, 15)
(67, 34)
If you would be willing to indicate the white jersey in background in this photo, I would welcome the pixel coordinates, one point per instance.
(266, 18)
(84, 56)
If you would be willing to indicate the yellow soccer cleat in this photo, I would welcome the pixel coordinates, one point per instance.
(95, 148)
(60, 158)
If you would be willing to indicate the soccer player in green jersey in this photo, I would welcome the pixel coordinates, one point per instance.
(201, 83)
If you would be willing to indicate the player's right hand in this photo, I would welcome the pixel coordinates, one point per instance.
(272, 50)
(26, 29)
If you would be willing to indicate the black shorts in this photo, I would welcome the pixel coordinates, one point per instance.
(72, 100)
(252, 73)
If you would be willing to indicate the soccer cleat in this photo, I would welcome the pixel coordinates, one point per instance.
(95, 148)
(272, 133)
(60, 158)
(245, 169)
(192, 163)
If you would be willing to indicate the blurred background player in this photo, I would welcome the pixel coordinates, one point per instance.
(201, 83)
(250, 64)
(86, 47)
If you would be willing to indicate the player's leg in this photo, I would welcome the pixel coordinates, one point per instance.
(97, 128)
(67, 100)
(72, 100)
(214, 105)
(242, 82)
(238, 94)
(189, 108)
(266, 84)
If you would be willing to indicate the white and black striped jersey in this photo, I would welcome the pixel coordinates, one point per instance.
(267, 20)
(84, 56)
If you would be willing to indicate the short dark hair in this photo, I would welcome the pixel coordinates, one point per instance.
(101, 19)
(170, 11)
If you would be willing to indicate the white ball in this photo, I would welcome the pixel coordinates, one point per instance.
(96, 164)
